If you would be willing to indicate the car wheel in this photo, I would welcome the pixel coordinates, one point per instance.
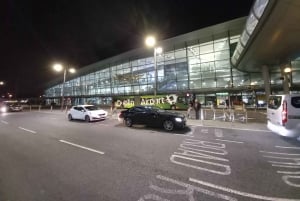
(70, 118)
(87, 118)
(128, 122)
(168, 125)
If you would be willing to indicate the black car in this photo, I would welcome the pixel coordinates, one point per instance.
(153, 116)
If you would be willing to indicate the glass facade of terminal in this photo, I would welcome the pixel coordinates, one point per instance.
(200, 68)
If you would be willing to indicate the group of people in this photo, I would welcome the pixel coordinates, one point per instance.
(196, 106)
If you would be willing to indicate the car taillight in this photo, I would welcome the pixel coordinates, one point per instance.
(284, 113)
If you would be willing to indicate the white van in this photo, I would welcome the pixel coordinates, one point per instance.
(283, 114)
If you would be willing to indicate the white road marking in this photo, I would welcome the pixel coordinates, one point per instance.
(189, 192)
(288, 147)
(287, 172)
(31, 131)
(286, 180)
(230, 141)
(280, 153)
(242, 129)
(250, 195)
(82, 147)
(287, 166)
(5, 122)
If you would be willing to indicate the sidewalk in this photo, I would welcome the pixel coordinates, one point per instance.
(227, 124)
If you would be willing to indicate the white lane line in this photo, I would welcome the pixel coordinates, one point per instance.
(279, 153)
(31, 131)
(82, 147)
(242, 129)
(250, 195)
(287, 166)
(5, 122)
(230, 141)
(287, 147)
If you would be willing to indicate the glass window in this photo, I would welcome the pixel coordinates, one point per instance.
(208, 83)
(134, 63)
(223, 64)
(221, 45)
(242, 80)
(296, 77)
(244, 38)
(260, 6)
(206, 48)
(234, 39)
(196, 84)
(251, 23)
(180, 53)
(207, 57)
(169, 56)
(221, 55)
(193, 50)
(274, 102)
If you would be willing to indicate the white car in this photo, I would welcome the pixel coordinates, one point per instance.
(87, 113)
(283, 115)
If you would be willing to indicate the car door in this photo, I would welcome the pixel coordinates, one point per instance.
(293, 112)
(81, 112)
(274, 110)
(138, 114)
(151, 117)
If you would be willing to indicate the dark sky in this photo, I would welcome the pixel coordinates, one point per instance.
(34, 34)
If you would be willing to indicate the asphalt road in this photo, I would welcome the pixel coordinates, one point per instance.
(45, 157)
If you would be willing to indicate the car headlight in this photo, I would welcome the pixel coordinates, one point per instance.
(178, 119)
(3, 109)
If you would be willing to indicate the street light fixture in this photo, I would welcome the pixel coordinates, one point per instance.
(58, 68)
(151, 42)
(1, 83)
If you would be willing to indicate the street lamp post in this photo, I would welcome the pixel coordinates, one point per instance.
(59, 67)
(151, 42)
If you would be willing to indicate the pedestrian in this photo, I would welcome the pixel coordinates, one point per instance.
(189, 110)
(197, 107)
(113, 108)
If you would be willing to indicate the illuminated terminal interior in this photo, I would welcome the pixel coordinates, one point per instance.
(202, 64)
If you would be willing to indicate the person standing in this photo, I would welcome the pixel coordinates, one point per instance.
(197, 108)
(189, 110)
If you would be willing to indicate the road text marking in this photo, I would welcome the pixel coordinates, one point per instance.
(230, 141)
(250, 195)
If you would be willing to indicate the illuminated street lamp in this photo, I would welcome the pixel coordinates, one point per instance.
(151, 42)
(58, 68)
(1, 83)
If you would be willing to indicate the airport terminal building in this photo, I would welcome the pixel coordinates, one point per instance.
(207, 64)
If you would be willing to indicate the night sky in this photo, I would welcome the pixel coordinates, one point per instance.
(35, 34)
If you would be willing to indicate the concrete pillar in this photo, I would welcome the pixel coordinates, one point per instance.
(266, 76)
(285, 80)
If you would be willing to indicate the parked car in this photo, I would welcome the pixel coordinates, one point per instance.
(153, 116)
(10, 107)
(87, 113)
(283, 114)
(15, 107)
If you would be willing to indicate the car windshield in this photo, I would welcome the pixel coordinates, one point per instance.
(156, 109)
(91, 108)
